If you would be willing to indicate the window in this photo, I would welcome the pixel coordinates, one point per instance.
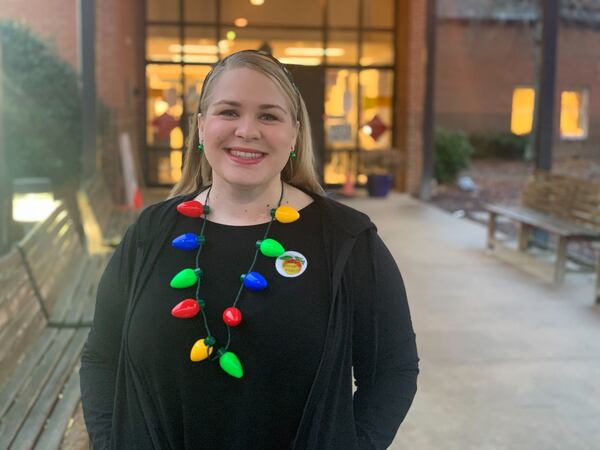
(163, 44)
(573, 114)
(307, 13)
(523, 101)
(376, 109)
(163, 128)
(352, 40)
(162, 10)
(341, 111)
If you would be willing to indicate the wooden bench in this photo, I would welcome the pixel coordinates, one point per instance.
(564, 206)
(47, 292)
(103, 220)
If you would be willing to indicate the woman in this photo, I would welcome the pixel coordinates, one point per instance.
(185, 353)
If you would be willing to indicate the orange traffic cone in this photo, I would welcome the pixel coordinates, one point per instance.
(138, 201)
(348, 189)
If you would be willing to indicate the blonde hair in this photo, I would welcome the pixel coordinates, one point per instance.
(299, 172)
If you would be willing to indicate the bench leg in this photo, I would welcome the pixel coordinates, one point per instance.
(598, 279)
(524, 233)
(561, 260)
(491, 231)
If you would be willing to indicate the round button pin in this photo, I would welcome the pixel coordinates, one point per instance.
(291, 264)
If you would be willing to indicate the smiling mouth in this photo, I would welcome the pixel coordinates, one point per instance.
(245, 154)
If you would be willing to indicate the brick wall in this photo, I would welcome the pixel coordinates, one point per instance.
(56, 20)
(480, 63)
(120, 78)
(119, 62)
(410, 91)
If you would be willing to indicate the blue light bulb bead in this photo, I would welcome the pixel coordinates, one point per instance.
(188, 241)
(254, 281)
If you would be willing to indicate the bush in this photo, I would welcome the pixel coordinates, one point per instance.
(42, 108)
(498, 145)
(452, 153)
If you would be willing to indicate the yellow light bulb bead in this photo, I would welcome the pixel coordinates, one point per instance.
(286, 214)
(200, 351)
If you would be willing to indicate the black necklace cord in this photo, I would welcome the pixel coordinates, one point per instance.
(209, 336)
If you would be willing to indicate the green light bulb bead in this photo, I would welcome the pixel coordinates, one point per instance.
(270, 247)
(230, 363)
(186, 278)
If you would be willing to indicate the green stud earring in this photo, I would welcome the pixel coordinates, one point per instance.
(293, 155)
(200, 146)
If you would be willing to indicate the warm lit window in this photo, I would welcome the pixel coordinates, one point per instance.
(573, 114)
(522, 110)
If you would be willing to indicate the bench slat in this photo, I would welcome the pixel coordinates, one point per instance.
(23, 371)
(544, 221)
(58, 421)
(47, 398)
(561, 195)
(13, 419)
(19, 336)
(69, 310)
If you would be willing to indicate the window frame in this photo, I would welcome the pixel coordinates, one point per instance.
(585, 91)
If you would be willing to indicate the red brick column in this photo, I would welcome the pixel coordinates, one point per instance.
(410, 91)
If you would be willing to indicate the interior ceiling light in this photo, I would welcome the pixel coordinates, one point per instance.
(224, 45)
(314, 51)
(200, 58)
(230, 35)
(241, 22)
(257, 2)
(300, 61)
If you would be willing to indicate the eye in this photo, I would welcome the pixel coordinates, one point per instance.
(269, 117)
(228, 113)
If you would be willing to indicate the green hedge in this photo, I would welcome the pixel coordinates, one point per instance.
(452, 154)
(42, 107)
(498, 145)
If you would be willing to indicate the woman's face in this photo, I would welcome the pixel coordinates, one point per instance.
(248, 131)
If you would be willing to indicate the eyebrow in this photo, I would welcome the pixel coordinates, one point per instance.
(238, 104)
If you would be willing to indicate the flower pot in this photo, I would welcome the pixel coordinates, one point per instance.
(379, 185)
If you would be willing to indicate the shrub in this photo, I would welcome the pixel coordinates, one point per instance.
(42, 108)
(498, 145)
(452, 153)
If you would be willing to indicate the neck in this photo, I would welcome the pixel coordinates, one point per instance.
(242, 205)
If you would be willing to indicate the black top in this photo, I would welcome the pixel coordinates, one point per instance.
(279, 341)
(127, 386)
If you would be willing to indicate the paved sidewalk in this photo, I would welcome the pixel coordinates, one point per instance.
(507, 361)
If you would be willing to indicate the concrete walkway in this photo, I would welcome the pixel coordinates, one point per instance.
(507, 361)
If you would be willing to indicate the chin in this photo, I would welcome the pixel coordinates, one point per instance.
(245, 180)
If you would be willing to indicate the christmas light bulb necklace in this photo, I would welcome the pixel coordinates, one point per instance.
(232, 316)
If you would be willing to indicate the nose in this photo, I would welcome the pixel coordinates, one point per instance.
(247, 128)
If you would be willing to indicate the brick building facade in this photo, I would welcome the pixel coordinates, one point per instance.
(482, 58)
(120, 72)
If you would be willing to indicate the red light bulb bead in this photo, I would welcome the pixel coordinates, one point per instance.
(187, 308)
(192, 208)
(232, 316)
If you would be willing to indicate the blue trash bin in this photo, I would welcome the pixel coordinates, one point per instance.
(379, 185)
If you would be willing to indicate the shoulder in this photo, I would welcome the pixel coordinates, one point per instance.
(155, 217)
(345, 217)
(335, 213)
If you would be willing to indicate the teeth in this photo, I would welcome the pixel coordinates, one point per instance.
(245, 154)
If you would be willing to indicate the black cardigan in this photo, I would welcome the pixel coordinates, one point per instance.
(369, 335)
